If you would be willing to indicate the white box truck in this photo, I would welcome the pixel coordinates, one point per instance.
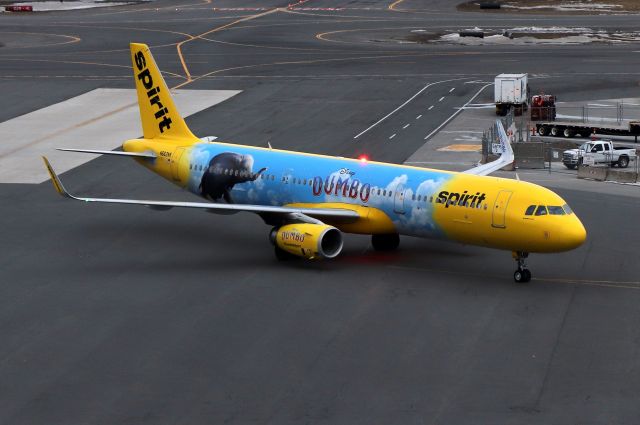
(511, 90)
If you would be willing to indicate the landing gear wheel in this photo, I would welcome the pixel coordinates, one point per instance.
(385, 242)
(522, 275)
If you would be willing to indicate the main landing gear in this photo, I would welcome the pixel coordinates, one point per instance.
(522, 275)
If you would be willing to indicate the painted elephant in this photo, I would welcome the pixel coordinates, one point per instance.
(224, 171)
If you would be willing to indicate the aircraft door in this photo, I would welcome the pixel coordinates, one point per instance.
(398, 199)
(500, 209)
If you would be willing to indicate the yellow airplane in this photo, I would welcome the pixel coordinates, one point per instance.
(311, 199)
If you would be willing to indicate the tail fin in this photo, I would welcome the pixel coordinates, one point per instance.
(158, 113)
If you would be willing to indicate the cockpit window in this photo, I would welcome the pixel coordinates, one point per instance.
(567, 209)
(542, 210)
(530, 210)
(555, 210)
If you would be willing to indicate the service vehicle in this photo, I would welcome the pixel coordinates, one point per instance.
(599, 152)
(511, 91)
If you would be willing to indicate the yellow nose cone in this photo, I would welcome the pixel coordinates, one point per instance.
(574, 234)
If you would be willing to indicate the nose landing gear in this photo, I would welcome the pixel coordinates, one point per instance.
(522, 275)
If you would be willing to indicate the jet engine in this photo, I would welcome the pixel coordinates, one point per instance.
(311, 241)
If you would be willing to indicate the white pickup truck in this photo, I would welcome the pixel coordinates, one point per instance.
(598, 152)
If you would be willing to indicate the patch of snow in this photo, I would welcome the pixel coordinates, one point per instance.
(570, 7)
(551, 30)
(48, 6)
(527, 36)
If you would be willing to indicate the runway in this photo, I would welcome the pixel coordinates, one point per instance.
(116, 314)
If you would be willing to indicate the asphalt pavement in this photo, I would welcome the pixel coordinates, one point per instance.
(115, 314)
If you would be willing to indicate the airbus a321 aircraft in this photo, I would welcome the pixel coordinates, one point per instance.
(311, 199)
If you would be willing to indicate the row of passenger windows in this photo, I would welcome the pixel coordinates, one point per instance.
(551, 210)
(304, 182)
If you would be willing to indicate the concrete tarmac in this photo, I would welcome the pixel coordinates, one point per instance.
(116, 314)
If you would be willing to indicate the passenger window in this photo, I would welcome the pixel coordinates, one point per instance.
(555, 210)
(530, 210)
(390, 193)
(384, 192)
(413, 197)
(419, 198)
(542, 210)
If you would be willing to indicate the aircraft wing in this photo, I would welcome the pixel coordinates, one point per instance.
(301, 214)
(505, 158)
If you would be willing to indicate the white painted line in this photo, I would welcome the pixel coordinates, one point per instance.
(100, 119)
(441, 99)
(418, 117)
(405, 127)
(430, 108)
(428, 136)
(450, 91)
(404, 104)
(392, 136)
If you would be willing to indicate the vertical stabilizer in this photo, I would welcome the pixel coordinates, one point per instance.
(158, 113)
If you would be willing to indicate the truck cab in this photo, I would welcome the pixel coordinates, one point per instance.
(598, 152)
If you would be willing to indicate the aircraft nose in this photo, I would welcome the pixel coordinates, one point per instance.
(575, 234)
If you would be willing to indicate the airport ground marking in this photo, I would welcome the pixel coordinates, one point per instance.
(405, 127)
(452, 89)
(430, 108)
(392, 136)
(441, 99)
(419, 116)
(73, 39)
(600, 283)
(393, 5)
(458, 110)
(216, 29)
(406, 102)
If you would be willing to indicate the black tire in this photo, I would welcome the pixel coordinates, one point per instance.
(623, 162)
(570, 166)
(555, 131)
(518, 276)
(568, 133)
(385, 242)
(543, 130)
(522, 276)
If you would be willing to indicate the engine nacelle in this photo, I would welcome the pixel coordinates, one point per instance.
(312, 241)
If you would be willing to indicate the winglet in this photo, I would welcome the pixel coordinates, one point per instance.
(505, 144)
(57, 184)
(506, 154)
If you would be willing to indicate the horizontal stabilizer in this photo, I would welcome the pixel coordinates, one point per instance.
(117, 153)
